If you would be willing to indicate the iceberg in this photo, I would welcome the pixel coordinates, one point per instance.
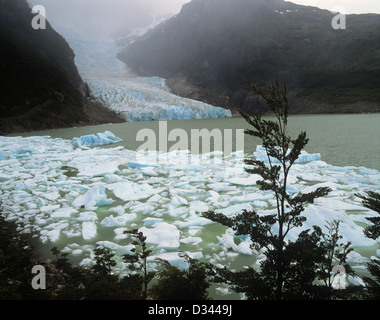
(163, 234)
(94, 197)
(92, 140)
(176, 261)
(129, 191)
(89, 230)
(118, 221)
(261, 155)
(3, 156)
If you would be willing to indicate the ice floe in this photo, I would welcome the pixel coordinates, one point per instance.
(80, 198)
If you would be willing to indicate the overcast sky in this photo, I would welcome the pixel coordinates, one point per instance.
(105, 17)
(350, 6)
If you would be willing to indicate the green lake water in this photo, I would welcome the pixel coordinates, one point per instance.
(342, 140)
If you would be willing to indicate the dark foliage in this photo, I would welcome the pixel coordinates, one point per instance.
(176, 284)
(372, 201)
(291, 268)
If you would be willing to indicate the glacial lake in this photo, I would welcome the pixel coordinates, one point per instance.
(348, 144)
(342, 140)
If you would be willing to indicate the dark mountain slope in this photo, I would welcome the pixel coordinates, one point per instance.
(208, 48)
(40, 87)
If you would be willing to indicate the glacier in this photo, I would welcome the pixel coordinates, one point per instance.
(79, 198)
(135, 98)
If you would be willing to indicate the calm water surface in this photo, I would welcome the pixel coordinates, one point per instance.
(342, 140)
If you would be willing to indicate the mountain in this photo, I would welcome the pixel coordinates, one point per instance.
(206, 50)
(40, 86)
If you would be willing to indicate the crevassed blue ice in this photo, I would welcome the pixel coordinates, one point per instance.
(136, 98)
(147, 99)
(93, 140)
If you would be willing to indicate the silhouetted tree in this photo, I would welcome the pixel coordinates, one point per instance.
(269, 232)
(137, 262)
(176, 284)
(372, 201)
(103, 261)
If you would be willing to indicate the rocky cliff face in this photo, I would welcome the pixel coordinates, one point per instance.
(40, 86)
(207, 49)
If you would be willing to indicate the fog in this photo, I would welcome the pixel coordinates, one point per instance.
(349, 6)
(112, 18)
(107, 18)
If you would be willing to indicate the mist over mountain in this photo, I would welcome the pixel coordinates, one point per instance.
(207, 49)
(40, 86)
(107, 19)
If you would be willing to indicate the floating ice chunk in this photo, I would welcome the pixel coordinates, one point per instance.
(176, 261)
(144, 208)
(129, 191)
(318, 216)
(193, 219)
(337, 204)
(118, 221)
(63, 213)
(77, 252)
(89, 230)
(52, 195)
(199, 206)
(191, 240)
(256, 197)
(100, 166)
(95, 197)
(92, 140)
(355, 257)
(50, 207)
(174, 211)
(148, 222)
(119, 210)
(235, 209)
(227, 241)
(23, 150)
(222, 291)
(163, 235)
(87, 263)
(72, 233)
(120, 233)
(176, 199)
(250, 181)
(214, 197)
(87, 216)
(50, 235)
(155, 198)
(148, 171)
(142, 164)
(116, 247)
(3, 156)
(304, 157)
(356, 281)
